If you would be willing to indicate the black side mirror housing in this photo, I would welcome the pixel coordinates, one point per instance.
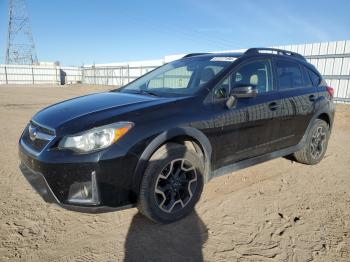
(247, 91)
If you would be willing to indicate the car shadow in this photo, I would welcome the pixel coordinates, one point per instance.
(178, 241)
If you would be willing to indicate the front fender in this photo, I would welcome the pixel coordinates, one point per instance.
(190, 132)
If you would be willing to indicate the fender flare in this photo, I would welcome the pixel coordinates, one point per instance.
(162, 138)
(320, 111)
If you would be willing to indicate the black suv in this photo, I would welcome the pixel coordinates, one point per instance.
(154, 142)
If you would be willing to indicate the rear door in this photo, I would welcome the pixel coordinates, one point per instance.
(297, 100)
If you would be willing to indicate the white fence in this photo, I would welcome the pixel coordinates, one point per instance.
(114, 75)
(71, 75)
(331, 58)
(36, 74)
(118, 74)
(24, 74)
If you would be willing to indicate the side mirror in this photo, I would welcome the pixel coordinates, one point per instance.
(244, 91)
(240, 92)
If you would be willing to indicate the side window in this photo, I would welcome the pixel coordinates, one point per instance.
(222, 90)
(208, 72)
(315, 78)
(255, 73)
(176, 78)
(288, 75)
(307, 79)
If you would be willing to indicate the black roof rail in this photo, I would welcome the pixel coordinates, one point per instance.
(274, 51)
(194, 54)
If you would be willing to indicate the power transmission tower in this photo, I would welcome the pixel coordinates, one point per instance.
(20, 44)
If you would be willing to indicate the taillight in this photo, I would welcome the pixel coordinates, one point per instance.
(330, 91)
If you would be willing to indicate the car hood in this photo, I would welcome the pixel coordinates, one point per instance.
(58, 114)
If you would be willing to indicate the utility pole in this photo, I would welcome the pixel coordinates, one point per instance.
(20, 44)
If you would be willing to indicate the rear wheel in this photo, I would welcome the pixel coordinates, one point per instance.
(172, 183)
(316, 144)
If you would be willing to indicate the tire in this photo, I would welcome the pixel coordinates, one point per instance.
(316, 144)
(172, 183)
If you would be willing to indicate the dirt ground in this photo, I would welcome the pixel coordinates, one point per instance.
(276, 211)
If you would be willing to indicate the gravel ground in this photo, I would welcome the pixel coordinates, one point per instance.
(276, 211)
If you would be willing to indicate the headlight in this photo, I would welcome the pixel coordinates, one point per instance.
(96, 138)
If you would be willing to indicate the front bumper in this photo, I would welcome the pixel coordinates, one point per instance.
(39, 183)
(80, 183)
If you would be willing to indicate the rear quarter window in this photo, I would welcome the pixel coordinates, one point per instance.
(315, 78)
(307, 78)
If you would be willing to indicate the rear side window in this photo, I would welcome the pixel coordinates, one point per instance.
(307, 78)
(288, 75)
(315, 78)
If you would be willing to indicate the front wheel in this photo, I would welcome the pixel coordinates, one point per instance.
(172, 183)
(316, 144)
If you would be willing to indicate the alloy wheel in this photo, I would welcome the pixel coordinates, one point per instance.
(175, 185)
(318, 141)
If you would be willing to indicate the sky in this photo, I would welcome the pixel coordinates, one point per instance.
(77, 32)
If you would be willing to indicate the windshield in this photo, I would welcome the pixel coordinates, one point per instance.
(181, 77)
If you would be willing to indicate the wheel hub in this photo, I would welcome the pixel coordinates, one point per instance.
(175, 185)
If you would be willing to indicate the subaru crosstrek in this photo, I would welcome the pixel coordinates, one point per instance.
(154, 142)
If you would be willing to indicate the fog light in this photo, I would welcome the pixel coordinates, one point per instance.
(85, 193)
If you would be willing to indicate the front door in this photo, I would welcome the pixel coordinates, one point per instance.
(251, 127)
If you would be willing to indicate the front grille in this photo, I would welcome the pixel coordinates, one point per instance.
(42, 136)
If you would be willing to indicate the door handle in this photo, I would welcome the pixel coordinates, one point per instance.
(273, 106)
(312, 98)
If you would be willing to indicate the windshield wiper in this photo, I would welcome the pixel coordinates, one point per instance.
(142, 92)
(149, 93)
